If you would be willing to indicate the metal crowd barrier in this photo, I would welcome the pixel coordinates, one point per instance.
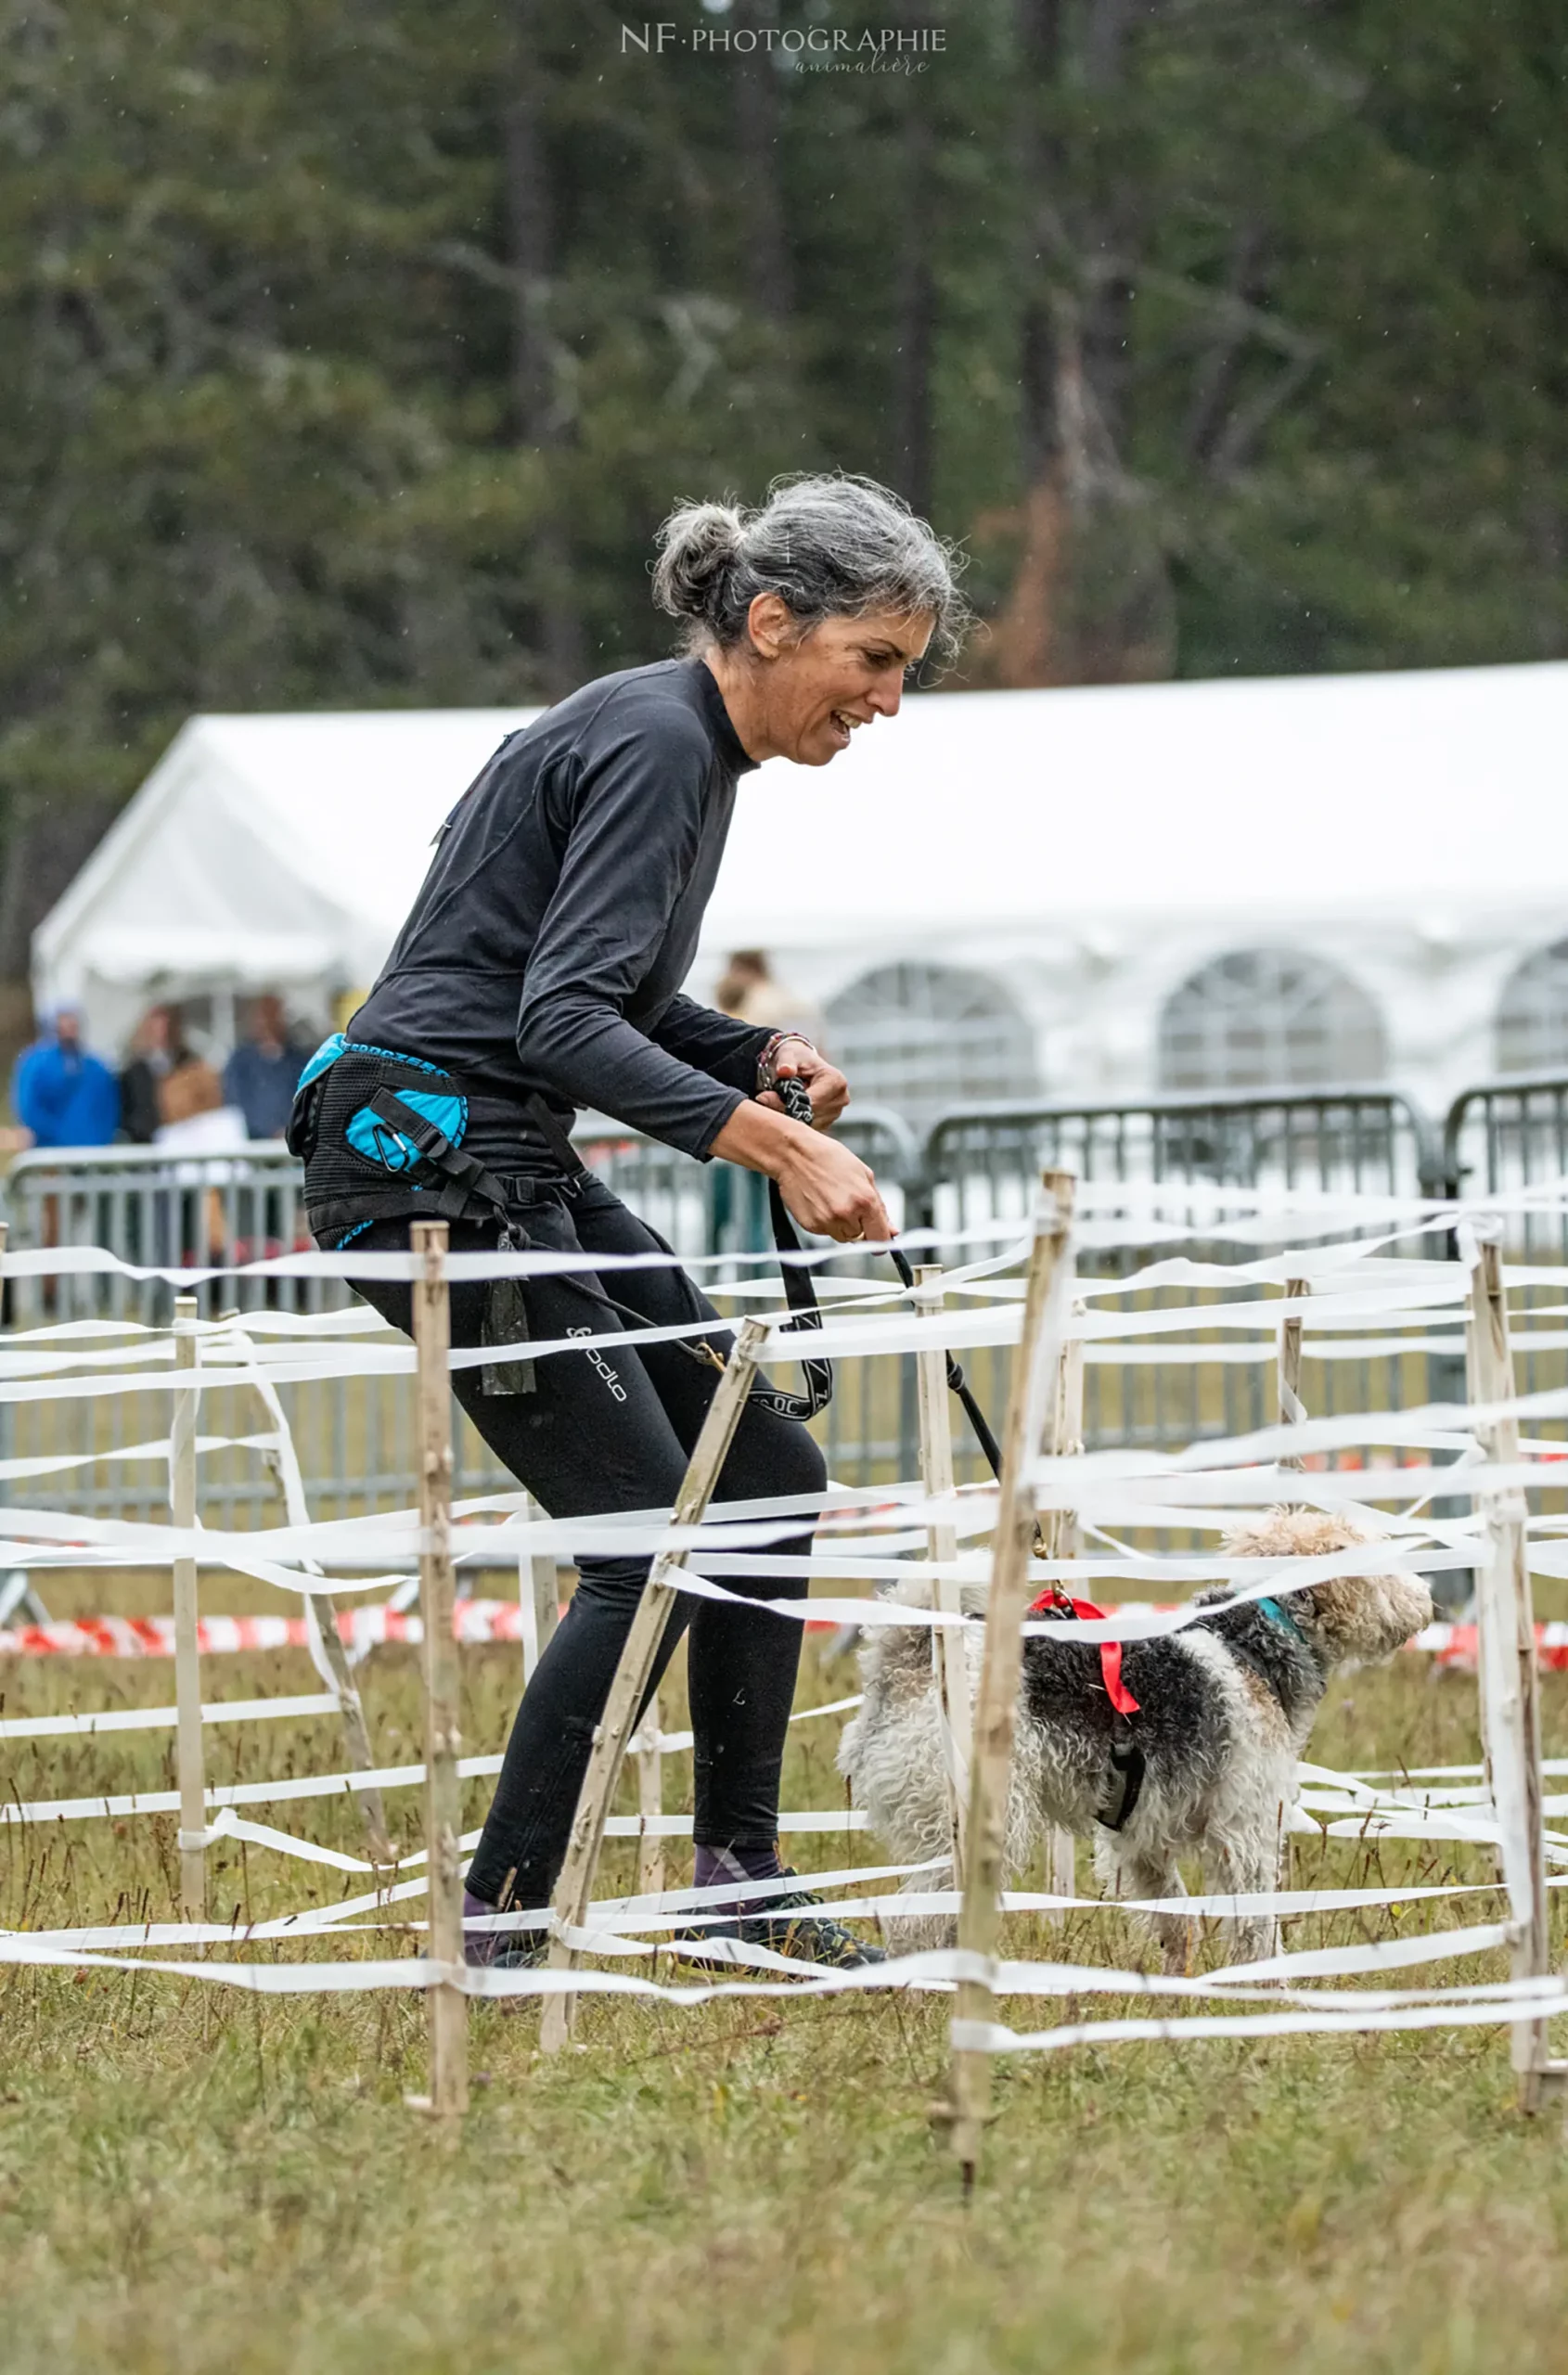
(981, 1164)
(975, 1165)
(1508, 1136)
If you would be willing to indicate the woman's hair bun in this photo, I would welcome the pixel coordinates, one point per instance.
(697, 545)
(828, 545)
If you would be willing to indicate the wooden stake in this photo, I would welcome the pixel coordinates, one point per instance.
(574, 1890)
(432, 1339)
(537, 1576)
(1288, 1369)
(188, 1750)
(1510, 1710)
(651, 1799)
(329, 1657)
(949, 1656)
(991, 1773)
(1058, 1533)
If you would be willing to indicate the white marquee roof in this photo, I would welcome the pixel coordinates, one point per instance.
(285, 850)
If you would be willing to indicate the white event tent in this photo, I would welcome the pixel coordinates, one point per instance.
(1086, 852)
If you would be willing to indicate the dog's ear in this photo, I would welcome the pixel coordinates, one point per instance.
(1361, 1618)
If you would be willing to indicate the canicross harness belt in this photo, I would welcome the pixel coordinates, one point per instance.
(405, 1119)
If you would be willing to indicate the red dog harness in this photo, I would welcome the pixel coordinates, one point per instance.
(1124, 1779)
(1054, 1601)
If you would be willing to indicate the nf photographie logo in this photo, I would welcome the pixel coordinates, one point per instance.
(875, 49)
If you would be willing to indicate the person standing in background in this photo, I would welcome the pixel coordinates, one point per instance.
(158, 1048)
(264, 1071)
(61, 1095)
(749, 989)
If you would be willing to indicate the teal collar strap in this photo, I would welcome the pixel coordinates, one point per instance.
(1282, 1618)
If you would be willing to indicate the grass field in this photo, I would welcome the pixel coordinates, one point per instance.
(195, 2180)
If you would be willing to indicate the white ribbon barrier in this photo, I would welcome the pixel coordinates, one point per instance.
(1356, 1286)
(675, 1910)
(162, 1719)
(1313, 2010)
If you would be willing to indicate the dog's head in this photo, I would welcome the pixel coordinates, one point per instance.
(1351, 1619)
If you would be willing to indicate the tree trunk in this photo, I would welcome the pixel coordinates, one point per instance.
(542, 422)
(759, 190)
(916, 301)
(1090, 600)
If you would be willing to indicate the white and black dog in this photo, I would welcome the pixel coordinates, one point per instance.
(1207, 1766)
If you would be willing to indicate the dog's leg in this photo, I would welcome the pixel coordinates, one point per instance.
(1123, 1873)
(892, 1758)
(1248, 1863)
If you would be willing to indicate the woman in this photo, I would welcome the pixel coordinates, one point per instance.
(538, 972)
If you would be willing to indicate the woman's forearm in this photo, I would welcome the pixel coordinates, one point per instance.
(760, 1139)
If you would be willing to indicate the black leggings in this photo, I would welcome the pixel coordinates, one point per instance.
(612, 1432)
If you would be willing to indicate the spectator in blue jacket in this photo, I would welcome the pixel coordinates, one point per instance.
(65, 1096)
(264, 1071)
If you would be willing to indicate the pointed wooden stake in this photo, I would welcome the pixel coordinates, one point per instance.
(538, 1595)
(327, 1654)
(651, 1799)
(1287, 1365)
(448, 2005)
(949, 1657)
(1035, 1380)
(575, 1891)
(189, 1754)
(1511, 1722)
(1059, 1532)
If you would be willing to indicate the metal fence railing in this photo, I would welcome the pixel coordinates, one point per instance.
(1503, 1136)
(974, 1166)
(982, 1163)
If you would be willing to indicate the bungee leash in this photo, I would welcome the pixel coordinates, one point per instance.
(796, 1101)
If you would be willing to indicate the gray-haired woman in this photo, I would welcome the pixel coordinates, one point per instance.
(540, 972)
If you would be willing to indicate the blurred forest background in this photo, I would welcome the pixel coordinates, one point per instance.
(353, 348)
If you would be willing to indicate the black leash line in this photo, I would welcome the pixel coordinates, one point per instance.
(796, 1101)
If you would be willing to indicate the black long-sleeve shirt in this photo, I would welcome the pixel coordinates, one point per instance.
(545, 952)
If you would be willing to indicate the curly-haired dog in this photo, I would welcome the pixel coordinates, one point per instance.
(1206, 1767)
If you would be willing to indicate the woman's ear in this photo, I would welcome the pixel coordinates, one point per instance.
(771, 624)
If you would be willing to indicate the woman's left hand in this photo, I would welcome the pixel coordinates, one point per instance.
(822, 1081)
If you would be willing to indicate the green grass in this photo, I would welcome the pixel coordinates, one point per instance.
(195, 2180)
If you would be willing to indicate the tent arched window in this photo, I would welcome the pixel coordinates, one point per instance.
(1533, 1013)
(1269, 1018)
(922, 1037)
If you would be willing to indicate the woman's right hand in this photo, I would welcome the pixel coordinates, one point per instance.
(830, 1191)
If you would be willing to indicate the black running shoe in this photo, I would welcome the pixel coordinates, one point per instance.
(781, 1931)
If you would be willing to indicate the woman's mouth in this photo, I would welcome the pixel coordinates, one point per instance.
(843, 725)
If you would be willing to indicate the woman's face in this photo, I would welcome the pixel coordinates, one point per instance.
(817, 688)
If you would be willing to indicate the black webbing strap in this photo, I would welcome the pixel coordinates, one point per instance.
(1124, 1779)
(799, 1293)
(463, 1176)
(465, 1181)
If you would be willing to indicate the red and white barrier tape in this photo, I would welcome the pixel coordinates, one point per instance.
(479, 1621)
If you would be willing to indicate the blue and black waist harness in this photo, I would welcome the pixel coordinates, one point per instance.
(381, 1134)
